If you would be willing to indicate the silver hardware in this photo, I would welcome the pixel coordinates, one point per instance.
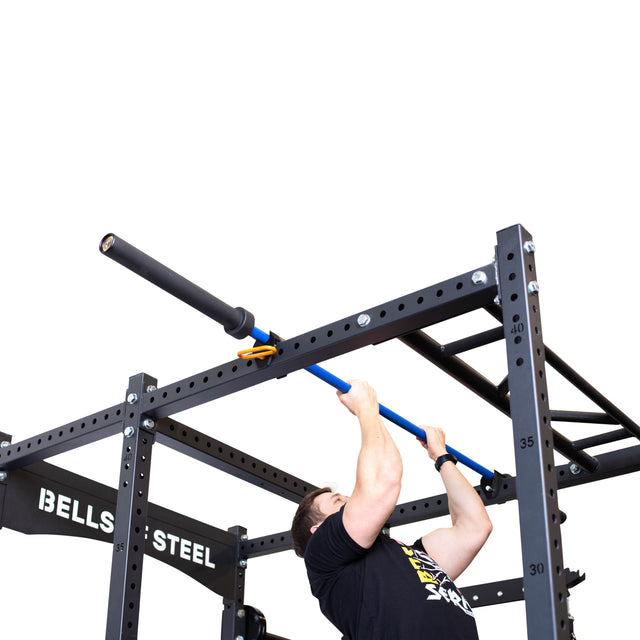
(151, 388)
(128, 432)
(479, 277)
(575, 469)
(363, 319)
(240, 613)
(3, 476)
(132, 398)
(533, 288)
(242, 564)
(4, 444)
(529, 247)
(148, 423)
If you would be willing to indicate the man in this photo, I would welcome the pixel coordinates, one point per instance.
(369, 586)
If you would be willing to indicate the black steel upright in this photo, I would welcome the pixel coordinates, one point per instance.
(544, 579)
(233, 613)
(131, 514)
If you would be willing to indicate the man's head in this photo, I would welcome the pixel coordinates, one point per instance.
(312, 512)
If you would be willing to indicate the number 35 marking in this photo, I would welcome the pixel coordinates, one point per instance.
(527, 443)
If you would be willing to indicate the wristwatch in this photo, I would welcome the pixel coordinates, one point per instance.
(446, 457)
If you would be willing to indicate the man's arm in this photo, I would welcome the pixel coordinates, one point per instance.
(454, 548)
(379, 469)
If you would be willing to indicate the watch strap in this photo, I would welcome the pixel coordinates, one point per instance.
(446, 457)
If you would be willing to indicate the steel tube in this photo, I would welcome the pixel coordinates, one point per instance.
(236, 321)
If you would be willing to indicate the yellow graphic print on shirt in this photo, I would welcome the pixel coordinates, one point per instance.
(435, 580)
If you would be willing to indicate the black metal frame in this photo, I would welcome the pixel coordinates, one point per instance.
(36, 497)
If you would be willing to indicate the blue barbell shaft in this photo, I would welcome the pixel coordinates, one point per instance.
(385, 412)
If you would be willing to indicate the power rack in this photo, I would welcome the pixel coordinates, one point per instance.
(39, 498)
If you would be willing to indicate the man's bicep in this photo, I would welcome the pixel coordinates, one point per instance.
(451, 549)
(365, 515)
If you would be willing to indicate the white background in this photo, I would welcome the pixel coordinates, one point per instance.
(307, 161)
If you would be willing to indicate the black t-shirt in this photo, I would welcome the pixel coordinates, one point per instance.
(388, 592)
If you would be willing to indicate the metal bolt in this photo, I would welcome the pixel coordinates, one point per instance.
(499, 594)
(239, 637)
(3, 476)
(240, 613)
(244, 537)
(4, 444)
(479, 277)
(476, 598)
(364, 319)
(533, 288)
(107, 243)
(129, 431)
(385, 531)
(148, 423)
(488, 488)
(529, 247)
(575, 469)
(496, 300)
(132, 398)
(242, 564)
(151, 387)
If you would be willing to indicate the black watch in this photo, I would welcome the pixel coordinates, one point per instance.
(445, 458)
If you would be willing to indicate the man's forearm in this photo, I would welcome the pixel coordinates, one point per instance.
(379, 461)
(465, 505)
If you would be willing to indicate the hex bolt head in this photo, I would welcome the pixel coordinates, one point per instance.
(132, 398)
(239, 637)
(244, 537)
(575, 469)
(242, 563)
(3, 476)
(496, 300)
(148, 423)
(128, 432)
(363, 319)
(529, 247)
(240, 613)
(479, 277)
(533, 288)
(4, 444)
(151, 388)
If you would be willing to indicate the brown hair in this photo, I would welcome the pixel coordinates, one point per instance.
(307, 516)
